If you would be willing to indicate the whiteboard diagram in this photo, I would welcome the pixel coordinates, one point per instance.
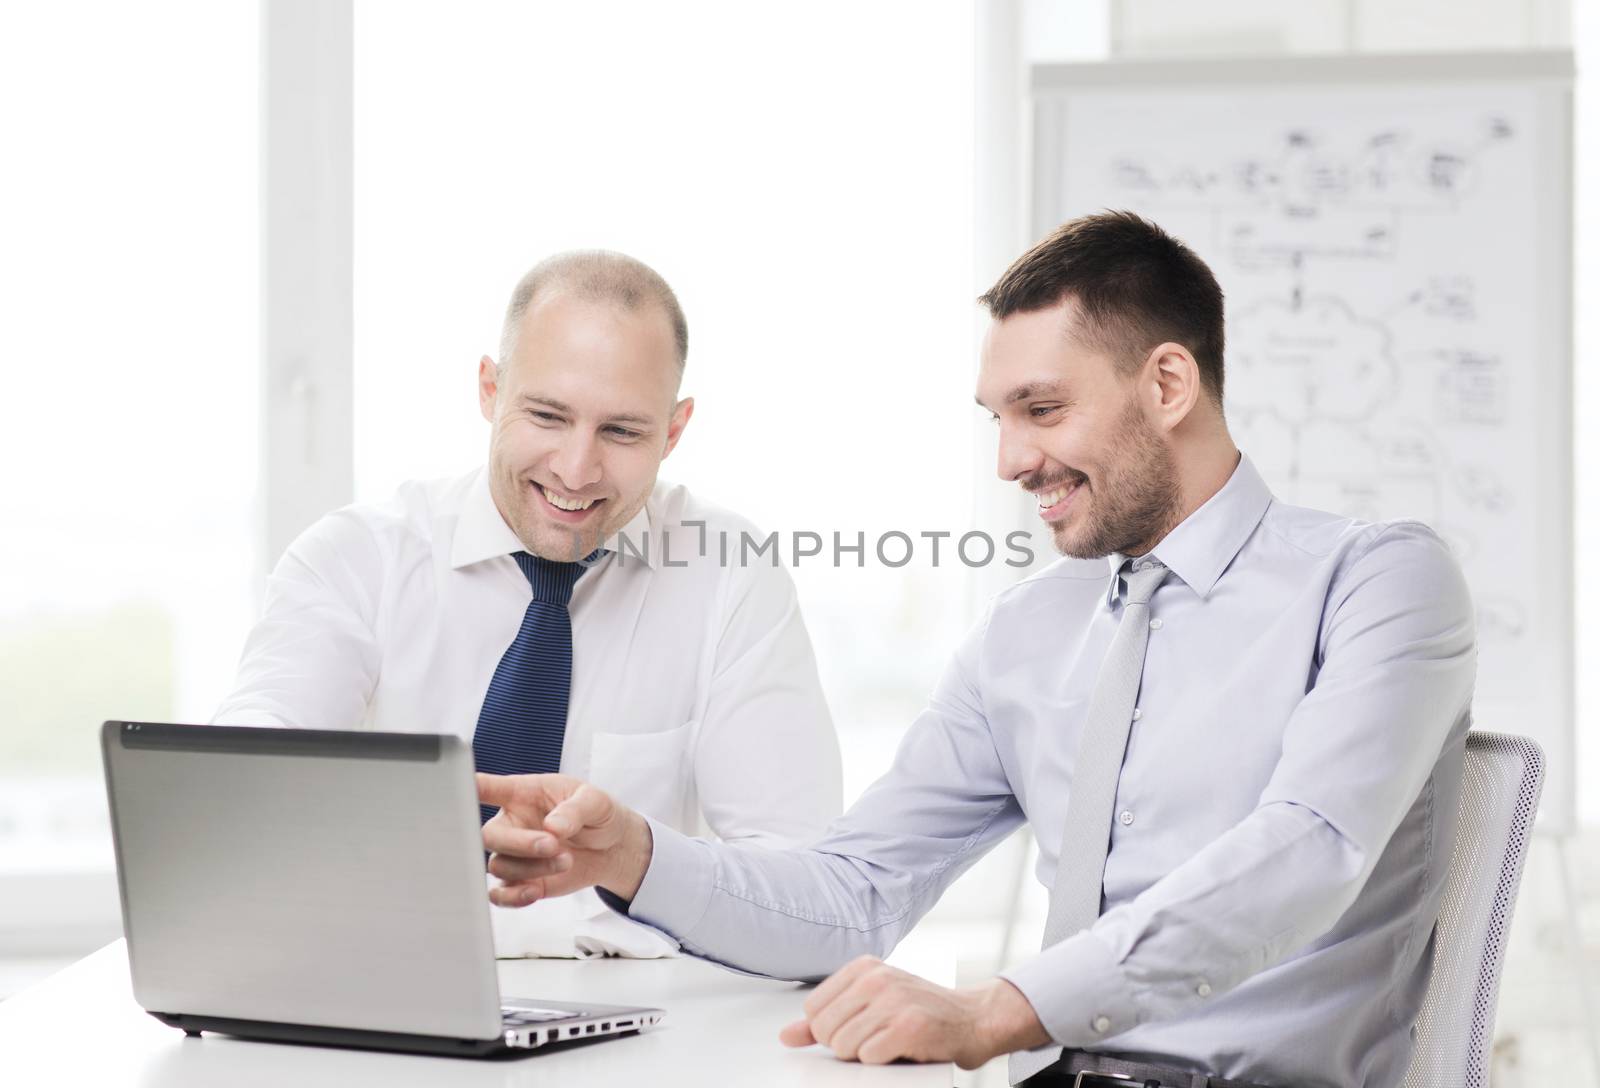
(1397, 311)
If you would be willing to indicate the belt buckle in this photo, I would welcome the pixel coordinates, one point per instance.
(1090, 1079)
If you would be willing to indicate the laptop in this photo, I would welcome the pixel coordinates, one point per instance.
(318, 886)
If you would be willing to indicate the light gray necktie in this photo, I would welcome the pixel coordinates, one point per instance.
(1080, 869)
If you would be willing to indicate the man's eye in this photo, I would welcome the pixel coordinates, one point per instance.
(623, 433)
(1039, 411)
(546, 417)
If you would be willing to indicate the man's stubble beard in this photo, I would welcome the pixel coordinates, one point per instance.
(513, 497)
(1136, 502)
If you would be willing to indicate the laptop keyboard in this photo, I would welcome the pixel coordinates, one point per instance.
(521, 1014)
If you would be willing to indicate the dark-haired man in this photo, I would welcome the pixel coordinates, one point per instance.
(1239, 748)
(559, 605)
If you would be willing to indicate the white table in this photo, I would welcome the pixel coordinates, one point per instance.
(82, 1026)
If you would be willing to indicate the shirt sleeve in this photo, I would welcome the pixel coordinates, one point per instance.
(1392, 693)
(801, 914)
(312, 659)
(766, 760)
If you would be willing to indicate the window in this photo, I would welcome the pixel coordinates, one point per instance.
(128, 415)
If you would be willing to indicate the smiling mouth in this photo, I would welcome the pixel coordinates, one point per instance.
(564, 506)
(1054, 503)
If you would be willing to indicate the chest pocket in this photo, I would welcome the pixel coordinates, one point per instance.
(647, 771)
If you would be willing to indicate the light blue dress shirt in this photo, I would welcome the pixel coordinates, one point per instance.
(1283, 820)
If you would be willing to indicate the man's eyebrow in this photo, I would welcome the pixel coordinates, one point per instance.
(621, 417)
(529, 398)
(1036, 389)
(1029, 391)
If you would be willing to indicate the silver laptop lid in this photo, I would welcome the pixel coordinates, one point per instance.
(303, 877)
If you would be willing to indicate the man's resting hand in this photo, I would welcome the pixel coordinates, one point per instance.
(554, 835)
(872, 1013)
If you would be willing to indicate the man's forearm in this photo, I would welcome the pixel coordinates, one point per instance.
(787, 913)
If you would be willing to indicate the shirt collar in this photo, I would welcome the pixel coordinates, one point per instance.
(481, 533)
(1205, 542)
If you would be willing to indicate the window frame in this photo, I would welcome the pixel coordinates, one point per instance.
(306, 464)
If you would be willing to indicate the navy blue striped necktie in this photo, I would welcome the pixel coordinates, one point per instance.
(524, 716)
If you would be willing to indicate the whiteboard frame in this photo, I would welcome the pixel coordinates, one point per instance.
(1550, 74)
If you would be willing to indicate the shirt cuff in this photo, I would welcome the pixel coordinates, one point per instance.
(1078, 991)
(677, 885)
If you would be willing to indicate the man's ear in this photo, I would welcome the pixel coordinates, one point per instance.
(680, 419)
(1173, 384)
(488, 386)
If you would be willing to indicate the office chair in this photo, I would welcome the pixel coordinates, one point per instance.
(1501, 780)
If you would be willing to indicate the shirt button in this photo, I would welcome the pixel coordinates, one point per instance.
(1204, 989)
(1155, 625)
(1125, 818)
(1137, 713)
(1101, 1024)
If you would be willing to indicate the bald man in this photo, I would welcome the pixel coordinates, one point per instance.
(561, 606)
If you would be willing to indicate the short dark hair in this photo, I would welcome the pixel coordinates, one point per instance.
(603, 276)
(1135, 285)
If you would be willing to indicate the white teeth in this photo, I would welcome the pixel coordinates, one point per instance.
(565, 504)
(1050, 498)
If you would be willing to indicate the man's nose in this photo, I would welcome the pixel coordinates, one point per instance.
(576, 463)
(1017, 457)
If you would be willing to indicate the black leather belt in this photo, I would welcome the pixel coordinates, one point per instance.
(1081, 1069)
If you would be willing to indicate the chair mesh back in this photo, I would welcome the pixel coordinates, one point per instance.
(1502, 776)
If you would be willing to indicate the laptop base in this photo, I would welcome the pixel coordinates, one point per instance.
(317, 1035)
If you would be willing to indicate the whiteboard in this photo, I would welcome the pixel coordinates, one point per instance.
(1392, 235)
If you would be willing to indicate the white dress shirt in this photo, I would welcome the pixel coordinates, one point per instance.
(694, 694)
(1283, 818)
